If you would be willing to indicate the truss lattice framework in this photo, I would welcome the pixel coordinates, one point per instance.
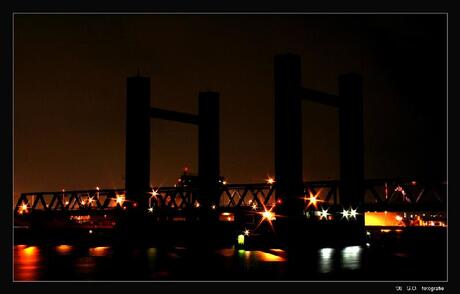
(377, 193)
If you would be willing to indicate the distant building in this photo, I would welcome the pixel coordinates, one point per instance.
(189, 180)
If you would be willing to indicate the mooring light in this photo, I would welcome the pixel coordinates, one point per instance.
(240, 239)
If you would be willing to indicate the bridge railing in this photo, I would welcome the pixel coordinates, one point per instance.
(379, 194)
(70, 200)
(247, 195)
(405, 191)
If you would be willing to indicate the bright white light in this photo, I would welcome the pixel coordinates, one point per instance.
(345, 213)
(326, 253)
(224, 183)
(324, 214)
(150, 209)
(353, 213)
(351, 257)
(313, 200)
(197, 204)
(154, 192)
(268, 215)
(213, 206)
(120, 199)
(246, 232)
(325, 260)
(398, 218)
(270, 181)
(23, 208)
(254, 206)
(351, 249)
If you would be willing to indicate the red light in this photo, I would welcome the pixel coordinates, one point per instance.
(279, 201)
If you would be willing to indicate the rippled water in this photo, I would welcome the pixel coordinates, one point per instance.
(65, 261)
(380, 260)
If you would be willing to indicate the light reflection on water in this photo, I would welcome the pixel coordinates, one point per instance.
(85, 265)
(88, 265)
(27, 262)
(382, 258)
(100, 251)
(351, 257)
(261, 256)
(30, 261)
(253, 255)
(64, 249)
(253, 264)
(325, 261)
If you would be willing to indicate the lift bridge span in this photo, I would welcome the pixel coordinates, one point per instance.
(380, 195)
(287, 195)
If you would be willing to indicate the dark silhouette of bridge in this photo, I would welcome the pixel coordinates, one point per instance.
(292, 197)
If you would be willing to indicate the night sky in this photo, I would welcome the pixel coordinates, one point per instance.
(70, 81)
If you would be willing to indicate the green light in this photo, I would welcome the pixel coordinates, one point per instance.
(240, 239)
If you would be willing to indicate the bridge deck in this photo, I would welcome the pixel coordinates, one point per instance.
(380, 194)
